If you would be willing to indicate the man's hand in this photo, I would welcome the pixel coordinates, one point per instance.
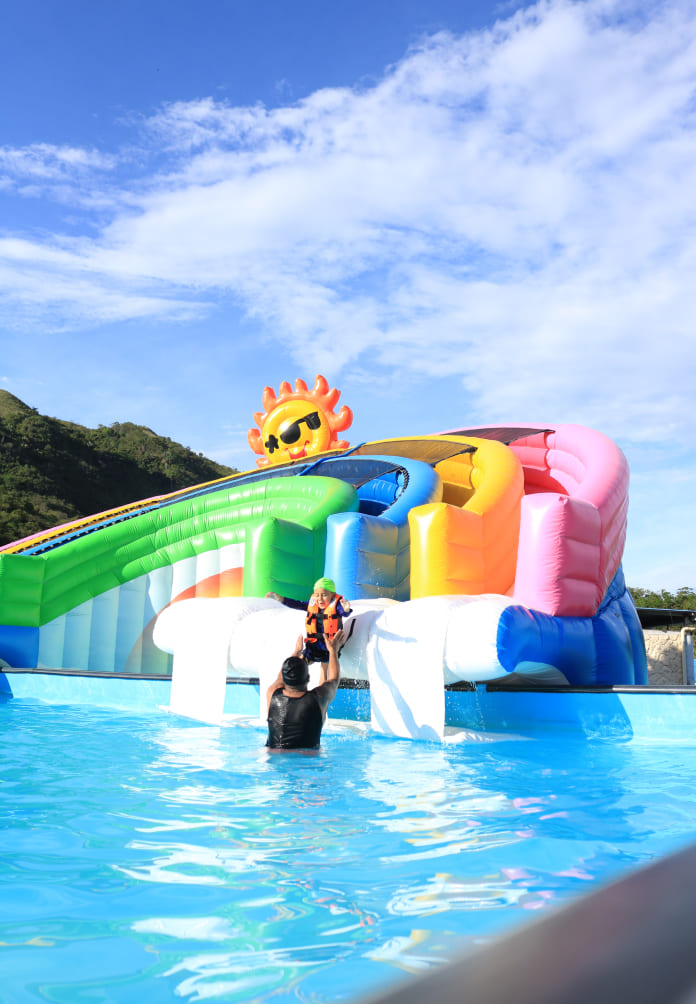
(333, 672)
(299, 645)
(334, 644)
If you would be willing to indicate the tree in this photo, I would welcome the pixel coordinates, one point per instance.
(683, 599)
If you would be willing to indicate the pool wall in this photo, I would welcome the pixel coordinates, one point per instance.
(664, 714)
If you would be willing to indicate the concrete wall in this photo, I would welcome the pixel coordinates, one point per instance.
(664, 651)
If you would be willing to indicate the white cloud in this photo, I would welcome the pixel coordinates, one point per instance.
(42, 284)
(513, 207)
(64, 174)
(44, 160)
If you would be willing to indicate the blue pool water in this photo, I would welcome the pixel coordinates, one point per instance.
(146, 858)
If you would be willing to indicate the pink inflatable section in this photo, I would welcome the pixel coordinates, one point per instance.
(573, 519)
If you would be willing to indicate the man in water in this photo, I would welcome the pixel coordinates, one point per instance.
(296, 715)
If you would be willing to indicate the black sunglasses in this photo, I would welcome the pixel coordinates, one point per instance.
(292, 433)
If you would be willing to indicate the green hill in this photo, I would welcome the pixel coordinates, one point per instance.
(53, 471)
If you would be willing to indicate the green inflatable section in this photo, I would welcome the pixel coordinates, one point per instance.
(282, 523)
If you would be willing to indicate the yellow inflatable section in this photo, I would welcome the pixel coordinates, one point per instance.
(467, 544)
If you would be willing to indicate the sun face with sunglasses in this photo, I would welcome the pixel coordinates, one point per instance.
(298, 424)
(293, 432)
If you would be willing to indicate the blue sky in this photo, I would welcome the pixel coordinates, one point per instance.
(459, 213)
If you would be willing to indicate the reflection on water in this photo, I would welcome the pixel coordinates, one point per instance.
(152, 858)
(443, 892)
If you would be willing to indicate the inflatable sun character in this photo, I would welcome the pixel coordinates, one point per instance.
(298, 423)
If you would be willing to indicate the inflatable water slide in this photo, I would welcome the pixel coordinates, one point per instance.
(474, 555)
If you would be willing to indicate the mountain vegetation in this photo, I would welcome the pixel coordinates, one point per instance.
(53, 471)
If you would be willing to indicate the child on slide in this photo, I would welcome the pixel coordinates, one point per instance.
(325, 612)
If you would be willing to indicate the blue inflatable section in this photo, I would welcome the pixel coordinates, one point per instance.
(604, 650)
(19, 645)
(368, 552)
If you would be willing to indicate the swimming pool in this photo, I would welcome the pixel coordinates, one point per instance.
(145, 857)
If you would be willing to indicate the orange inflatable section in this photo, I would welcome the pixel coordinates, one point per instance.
(467, 544)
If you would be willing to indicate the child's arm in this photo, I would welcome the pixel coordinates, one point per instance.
(287, 602)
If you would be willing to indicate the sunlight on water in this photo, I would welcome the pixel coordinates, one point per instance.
(149, 858)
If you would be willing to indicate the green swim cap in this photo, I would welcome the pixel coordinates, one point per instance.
(328, 584)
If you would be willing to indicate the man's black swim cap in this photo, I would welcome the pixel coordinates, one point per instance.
(295, 672)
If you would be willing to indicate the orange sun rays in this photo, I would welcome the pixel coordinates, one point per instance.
(282, 416)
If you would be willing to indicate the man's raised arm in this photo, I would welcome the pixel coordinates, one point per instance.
(333, 675)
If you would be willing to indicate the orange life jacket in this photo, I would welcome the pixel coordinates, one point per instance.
(333, 621)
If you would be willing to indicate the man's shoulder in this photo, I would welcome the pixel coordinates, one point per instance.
(328, 685)
(325, 692)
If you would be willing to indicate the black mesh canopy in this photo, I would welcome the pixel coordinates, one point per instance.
(356, 471)
(500, 433)
(428, 450)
